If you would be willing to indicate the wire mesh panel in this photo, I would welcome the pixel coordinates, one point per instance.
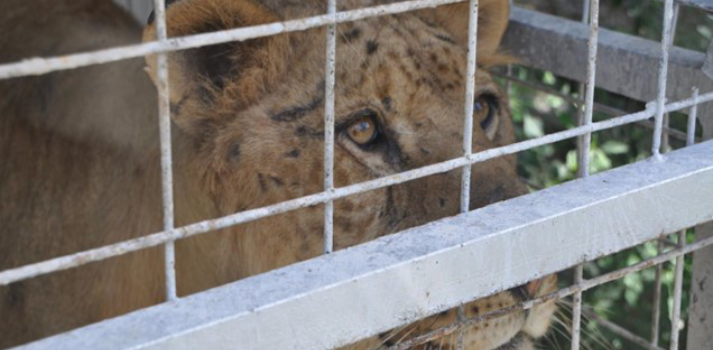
(348, 295)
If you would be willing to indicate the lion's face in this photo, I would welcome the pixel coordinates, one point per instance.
(254, 112)
(257, 115)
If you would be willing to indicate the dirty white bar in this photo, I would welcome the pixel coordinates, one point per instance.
(663, 76)
(470, 71)
(164, 120)
(692, 116)
(471, 68)
(583, 167)
(677, 292)
(586, 139)
(426, 269)
(38, 66)
(329, 76)
(656, 307)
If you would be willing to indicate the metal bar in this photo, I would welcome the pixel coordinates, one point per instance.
(691, 129)
(329, 129)
(577, 308)
(427, 269)
(663, 76)
(676, 134)
(583, 169)
(656, 312)
(471, 69)
(561, 294)
(706, 5)
(152, 240)
(468, 125)
(166, 160)
(677, 288)
(39, 66)
(666, 119)
(598, 107)
(469, 98)
(583, 149)
(622, 332)
(617, 55)
(667, 42)
(700, 311)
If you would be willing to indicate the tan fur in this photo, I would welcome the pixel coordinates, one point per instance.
(80, 166)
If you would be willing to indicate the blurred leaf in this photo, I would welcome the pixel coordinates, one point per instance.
(533, 127)
(549, 78)
(615, 147)
(599, 161)
(705, 31)
(572, 160)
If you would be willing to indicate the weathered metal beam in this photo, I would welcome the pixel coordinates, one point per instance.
(706, 5)
(626, 64)
(339, 298)
(700, 317)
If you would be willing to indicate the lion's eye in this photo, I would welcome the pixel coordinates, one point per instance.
(363, 131)
(485, 112)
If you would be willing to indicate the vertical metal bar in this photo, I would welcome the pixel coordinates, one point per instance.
(469, 98)
(166, 158)
(666, 118)
(677, 289)
(663, 72)
(329, 129)
(591, 75)
(692, 115)
(591, 8)
(664, 135)
(583, 142)
(656, 313)
(468, 124)
(577, 307)
(461, 335)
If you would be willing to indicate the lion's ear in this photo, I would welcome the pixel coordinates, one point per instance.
(198, 77)
(493, 18)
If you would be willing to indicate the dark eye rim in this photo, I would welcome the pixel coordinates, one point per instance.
(493, 109)
(375, 140)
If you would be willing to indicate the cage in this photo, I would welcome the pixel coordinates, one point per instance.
(425, 270)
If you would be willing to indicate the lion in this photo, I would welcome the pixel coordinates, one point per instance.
(81, 156)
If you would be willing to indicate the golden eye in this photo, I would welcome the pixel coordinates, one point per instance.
(485, 113)
(363, 131)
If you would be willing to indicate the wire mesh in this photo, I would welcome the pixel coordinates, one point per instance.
(170, 233)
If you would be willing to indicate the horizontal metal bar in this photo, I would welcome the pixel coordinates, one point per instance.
(38, 66)
(557, 295)
(577, 102)
(701, 4)
(152, 240)
(622, 332)
(628, 65)
(426, 269)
